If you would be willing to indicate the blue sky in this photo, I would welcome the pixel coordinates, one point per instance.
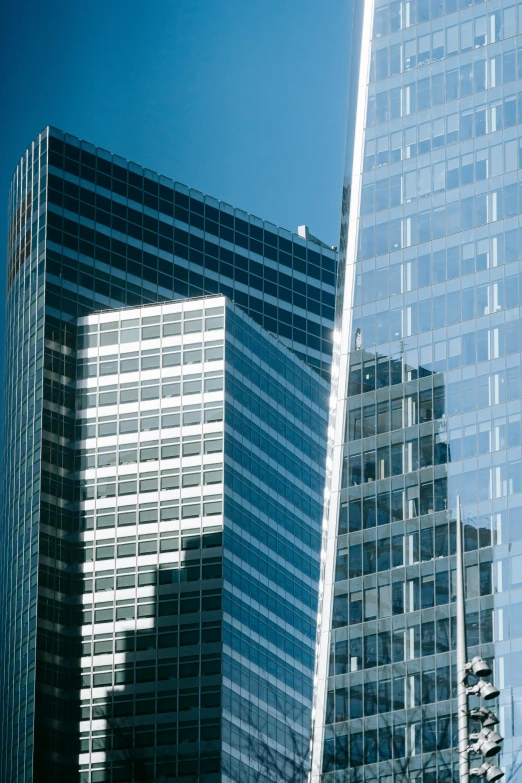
(242, 99)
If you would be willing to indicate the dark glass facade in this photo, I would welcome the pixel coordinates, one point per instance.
(124, 235)
(427, 381)
(89, 231)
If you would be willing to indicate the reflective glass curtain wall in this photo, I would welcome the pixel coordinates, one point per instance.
(90, 231)
(426, 391)
(124, 235)
(22, 459)
(200, 456)
(275, 454)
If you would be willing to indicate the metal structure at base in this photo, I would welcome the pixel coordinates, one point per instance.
(486, 742)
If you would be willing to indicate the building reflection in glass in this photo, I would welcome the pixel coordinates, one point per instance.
(426, 391)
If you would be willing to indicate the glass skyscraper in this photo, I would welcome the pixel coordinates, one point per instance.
(200, 503)
(426, 392)
(89, 231)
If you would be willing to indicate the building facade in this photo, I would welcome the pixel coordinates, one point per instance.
(426, 392)
(89, 231)
(200, 505)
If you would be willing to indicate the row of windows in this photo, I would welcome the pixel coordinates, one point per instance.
(417, 546)
(151, 359)
(384, 506)
(268, 729)
(124, 705)
(126, 609)
(150, 482)
(273, 602)
(153, 639)
(461, 439)
(390, 17)
(463, 393)
(415, 593)
(145, 576)
(285, 394)
(171, 240)
(146, 191)
(211, 570)
(467, 343)
(473, 346)
(403, 406)
(131, 333)
(450, 126)
(189, 446)
(448, 217)
(372, 698)
(388, 742)
(144, 737)
(457, 170)
(187, 764)
(299, 655)
(275, 319)
(400, 598)
(126, 544)
(264, 472)
(385, 461)
(267, 523)
(441, 87)
(372, 555)
(246, 425)
(168, 274)
(146, 671)
(299, 565)
(189, 603)
(129, 423)
(429, 637)
(427, 491)
(399, 54)
(193, 415)
(375, 510)
(190, 508)
(265, 497)
(149, 606)
(242, 555)
(394, 551)
(149, 390)
(496, 289)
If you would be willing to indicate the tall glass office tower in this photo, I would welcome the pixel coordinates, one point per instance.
(89, 231)
(200, 451)
(426, 391)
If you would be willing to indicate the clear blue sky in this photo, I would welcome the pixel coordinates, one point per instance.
(242, 99)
